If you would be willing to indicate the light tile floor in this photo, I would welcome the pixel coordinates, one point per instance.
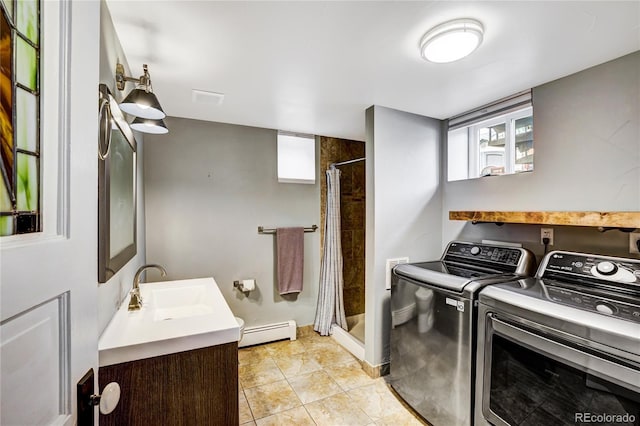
(313, 381)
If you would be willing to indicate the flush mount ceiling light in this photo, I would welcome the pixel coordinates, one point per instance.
(141, 101)
(451, 40)
(147, 125)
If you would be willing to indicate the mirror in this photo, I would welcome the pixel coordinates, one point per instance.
(116, 188)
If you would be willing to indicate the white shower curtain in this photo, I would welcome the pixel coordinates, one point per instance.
(330, 308)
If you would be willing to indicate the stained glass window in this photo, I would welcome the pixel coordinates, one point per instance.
(20, 116)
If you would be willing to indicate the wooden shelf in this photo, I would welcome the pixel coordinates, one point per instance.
(569, 218)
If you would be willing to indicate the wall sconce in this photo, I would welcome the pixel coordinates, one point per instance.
(141, 102)
(147, 125)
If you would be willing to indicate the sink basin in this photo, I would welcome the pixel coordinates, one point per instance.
(179, 302)
(176, 316)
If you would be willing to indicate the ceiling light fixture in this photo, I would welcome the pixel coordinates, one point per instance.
(451, 40)
(141, 101)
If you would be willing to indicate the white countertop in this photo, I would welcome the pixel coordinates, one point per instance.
(134, 335)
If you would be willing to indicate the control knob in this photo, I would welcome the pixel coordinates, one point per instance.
(475, 250)
(607, 268)
(605, 308)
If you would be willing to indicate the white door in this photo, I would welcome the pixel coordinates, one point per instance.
(48, 327)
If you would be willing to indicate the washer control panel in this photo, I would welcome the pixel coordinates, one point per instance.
(590, 267)
(484, 253)
(594, 303)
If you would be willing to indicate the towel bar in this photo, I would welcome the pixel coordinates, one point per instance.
(263, 230)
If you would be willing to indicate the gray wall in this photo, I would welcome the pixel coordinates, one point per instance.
(111, 293)
(208, 186)
(587, 157)
(404, 208)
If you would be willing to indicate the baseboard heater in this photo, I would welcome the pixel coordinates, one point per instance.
(268, 333)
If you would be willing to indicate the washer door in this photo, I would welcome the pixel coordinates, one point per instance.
(535, 379)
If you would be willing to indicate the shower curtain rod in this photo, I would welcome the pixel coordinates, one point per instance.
(347, 162)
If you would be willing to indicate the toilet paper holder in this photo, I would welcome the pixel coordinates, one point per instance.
(240, 285)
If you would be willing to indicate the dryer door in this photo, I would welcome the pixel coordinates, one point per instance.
(534, 379)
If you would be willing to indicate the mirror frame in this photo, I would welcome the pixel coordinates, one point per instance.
(110, 117)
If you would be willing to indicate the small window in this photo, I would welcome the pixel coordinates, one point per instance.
(493, 140)
(296, 158)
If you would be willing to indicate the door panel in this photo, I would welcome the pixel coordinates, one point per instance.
(33, 345)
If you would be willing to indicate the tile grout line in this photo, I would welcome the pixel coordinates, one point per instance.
(248, 405)
(271, 355)
(305, 405)
(309, 414)
(343, 390)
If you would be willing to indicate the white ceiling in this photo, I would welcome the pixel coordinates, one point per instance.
(314, 67)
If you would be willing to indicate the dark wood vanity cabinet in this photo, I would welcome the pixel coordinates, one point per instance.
(197, 387)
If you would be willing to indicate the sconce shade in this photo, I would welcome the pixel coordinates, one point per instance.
(142, 104)
(146, 125)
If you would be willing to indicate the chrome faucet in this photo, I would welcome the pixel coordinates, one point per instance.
(135, 302)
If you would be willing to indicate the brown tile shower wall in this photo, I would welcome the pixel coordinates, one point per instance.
(352, 211)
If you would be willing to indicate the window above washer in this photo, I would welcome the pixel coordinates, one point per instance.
(495, 139)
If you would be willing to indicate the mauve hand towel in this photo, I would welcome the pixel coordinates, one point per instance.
(290, 252)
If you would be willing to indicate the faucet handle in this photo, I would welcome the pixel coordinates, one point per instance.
(135, 302)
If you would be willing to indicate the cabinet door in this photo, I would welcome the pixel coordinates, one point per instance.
(198, 387)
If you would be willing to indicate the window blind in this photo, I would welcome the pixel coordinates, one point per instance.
(503, 106)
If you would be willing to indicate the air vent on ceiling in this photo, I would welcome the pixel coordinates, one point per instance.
(204, 97)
